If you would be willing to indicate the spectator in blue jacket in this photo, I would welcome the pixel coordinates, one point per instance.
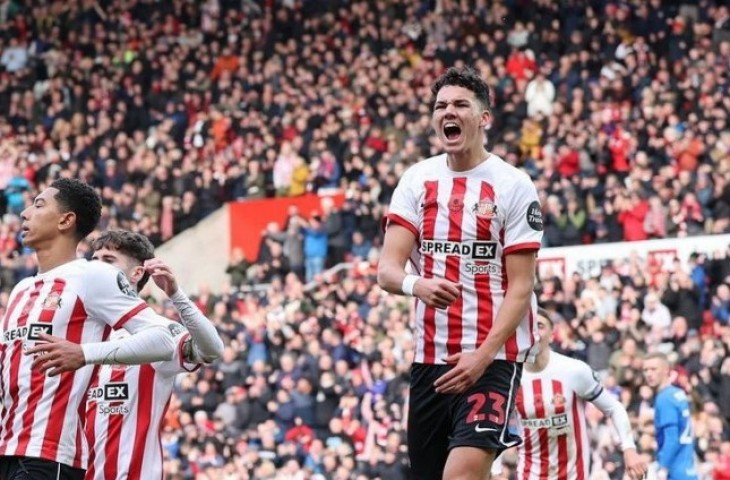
(315, 247)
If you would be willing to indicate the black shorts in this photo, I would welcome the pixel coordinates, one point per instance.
(27, 468)
(477, 418)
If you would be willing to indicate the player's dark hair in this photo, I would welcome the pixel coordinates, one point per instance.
(467, 78)
(544, 313)
(131, 244)
(81, 199)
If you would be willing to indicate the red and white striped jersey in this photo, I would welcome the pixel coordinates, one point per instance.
(80, 301)
(124, 414)
(551, 409)
(465, 224)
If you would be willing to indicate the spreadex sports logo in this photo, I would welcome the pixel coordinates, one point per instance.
(32, 331)
(475, 250)
(111, 398)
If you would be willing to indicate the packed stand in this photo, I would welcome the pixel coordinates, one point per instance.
(617, 110)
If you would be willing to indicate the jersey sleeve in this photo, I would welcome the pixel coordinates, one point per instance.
(182, 360)
(404, 210)
(109, 296)
(587, 385)
(523, 218)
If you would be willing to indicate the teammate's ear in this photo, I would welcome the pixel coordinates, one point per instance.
(136, 274)
(67, 221)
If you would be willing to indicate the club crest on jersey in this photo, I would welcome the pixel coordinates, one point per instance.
(485, 209)
(558, 400)
(456, 204)
(52, 301)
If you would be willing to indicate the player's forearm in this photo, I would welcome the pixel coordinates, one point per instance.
(153, 344)
(613, 409)
(390, 277)
(207, 342)
(513, 309)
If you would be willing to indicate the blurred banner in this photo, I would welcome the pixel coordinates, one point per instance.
(248, 218)
(588, 260)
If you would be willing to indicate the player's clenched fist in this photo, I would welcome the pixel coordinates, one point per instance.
(437, 292)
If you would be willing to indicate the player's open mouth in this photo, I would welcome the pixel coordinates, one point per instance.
(452, 131)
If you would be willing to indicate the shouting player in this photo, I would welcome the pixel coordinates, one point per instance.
(42, 385)
(672, 421)
(127, 404)
(471, 224)
(551, 410)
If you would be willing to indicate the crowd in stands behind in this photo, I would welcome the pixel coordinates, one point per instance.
(618, 110)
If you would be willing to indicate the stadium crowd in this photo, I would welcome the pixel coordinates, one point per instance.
(618, 110)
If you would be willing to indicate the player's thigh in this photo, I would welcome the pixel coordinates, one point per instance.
(428, 424)
(469, 463)
(481, 414)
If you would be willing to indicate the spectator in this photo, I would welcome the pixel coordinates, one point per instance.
(203, 99)
(315, 247)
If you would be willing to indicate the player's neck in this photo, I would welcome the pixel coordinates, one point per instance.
(55, 255)
(664, 386)
(470, 158)
(540, 362)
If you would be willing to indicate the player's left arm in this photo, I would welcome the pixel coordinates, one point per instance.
(204, 344)
(522, 239)
(590, 389)
(520, 268)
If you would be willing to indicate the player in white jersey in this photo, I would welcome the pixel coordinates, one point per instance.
(127, 403)
(551, 411)
(42, 385)
(470, 224)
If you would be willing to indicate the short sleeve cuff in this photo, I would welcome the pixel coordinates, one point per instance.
(519, 247)
(398, 220)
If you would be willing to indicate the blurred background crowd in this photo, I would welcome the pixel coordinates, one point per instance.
(617, 109)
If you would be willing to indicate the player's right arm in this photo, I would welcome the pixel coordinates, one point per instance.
(667, 422)
(590, 389)
(401, 235)
(392, 276)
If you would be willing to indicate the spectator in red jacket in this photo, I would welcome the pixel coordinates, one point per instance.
(632, 215)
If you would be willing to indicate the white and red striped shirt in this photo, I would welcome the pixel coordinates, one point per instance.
(465, 224)
(124, 415)
(551, 409)
(80, 301)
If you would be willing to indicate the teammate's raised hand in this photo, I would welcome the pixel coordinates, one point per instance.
(437, 292)
(161, 275)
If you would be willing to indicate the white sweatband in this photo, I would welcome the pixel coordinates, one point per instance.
(408, 283)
